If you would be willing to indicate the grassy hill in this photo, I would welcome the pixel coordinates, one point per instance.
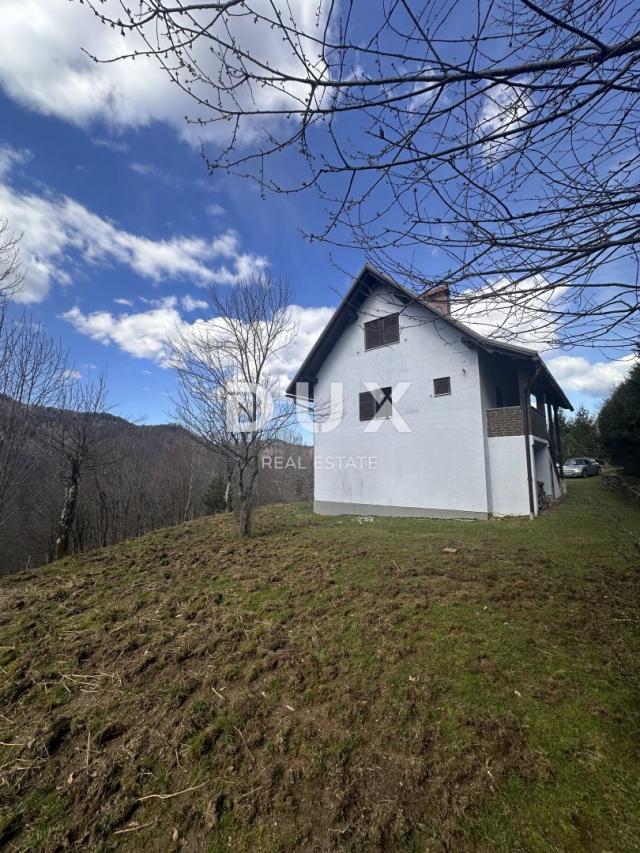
(333, 684)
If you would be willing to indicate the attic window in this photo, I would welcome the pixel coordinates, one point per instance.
(375, 404)
(442, 386)
(382, 331)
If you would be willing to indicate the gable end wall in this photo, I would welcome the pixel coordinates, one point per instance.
(439, 466)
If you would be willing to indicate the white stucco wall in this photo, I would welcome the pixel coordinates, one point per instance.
(509, 483)
(544, 469)
(439, 464)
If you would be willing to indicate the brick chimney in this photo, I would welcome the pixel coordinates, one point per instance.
(438, 298)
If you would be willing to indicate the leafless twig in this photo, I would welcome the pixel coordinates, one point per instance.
(492, 146)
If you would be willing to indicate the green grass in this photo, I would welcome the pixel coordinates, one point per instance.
(331, 684)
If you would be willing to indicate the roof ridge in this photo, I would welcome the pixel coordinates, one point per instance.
(488, 343)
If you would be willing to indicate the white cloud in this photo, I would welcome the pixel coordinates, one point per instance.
(121, 301)
(162, 302)
(504, 109)
(576, 373)
(147, 170)
(527, 315)
(115, 145)
(59, 232)
(215, 210)
(42, 64)
(146, 334)
(143, 335)
(523, 314)
(11, 157)
(142, 168)
(309, 323)
(191, 304)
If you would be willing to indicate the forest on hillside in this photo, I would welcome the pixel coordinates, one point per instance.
(137, 479)
(74, 477)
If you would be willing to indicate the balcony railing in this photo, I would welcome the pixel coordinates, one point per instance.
(538, 424)
(508, 420)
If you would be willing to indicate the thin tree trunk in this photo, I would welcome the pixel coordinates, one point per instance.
(68, 514)
(245, 500)
(228, 491)
(244, 517)
(187, 508)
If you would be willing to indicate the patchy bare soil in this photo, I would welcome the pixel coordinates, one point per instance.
(333, 684)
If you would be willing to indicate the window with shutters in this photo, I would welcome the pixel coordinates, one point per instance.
(441, 386)
(382, 331)
(375, 404)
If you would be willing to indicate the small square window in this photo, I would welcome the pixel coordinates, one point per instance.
(442, 386)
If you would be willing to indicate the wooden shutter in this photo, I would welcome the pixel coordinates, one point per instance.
(367, 406)
(442, 386)
(384, 330)
(375, 404)
(391, 329)
(373, 334)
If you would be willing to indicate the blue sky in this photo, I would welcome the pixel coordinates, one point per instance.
(146, 183)
(123, 227)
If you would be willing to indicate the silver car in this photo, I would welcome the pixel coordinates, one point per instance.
(581, 466)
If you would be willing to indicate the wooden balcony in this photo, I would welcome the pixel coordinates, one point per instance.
(508, 420)
(538, 424)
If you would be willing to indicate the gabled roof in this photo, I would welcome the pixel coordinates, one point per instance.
(370, 278)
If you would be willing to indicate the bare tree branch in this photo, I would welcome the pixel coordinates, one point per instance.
(32, 375)
(486, 145)
(11, 274)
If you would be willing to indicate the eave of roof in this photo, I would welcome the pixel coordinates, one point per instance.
(347, 310)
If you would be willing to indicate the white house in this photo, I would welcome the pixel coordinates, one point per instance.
(419, 415)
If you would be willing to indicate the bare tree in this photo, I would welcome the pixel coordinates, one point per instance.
(32, 373)
(499, 135)
(32, 369)
(11, 274)
(76, 433)
(229, 395)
